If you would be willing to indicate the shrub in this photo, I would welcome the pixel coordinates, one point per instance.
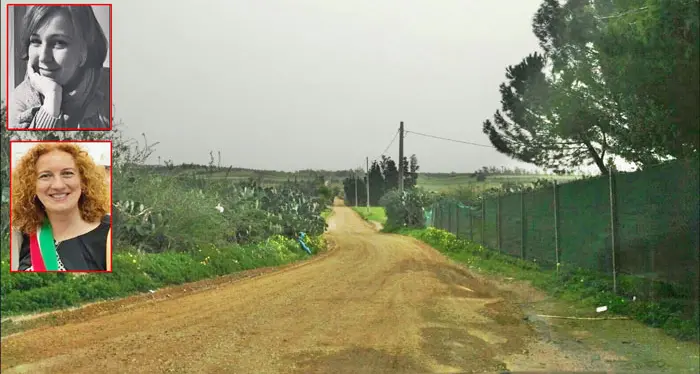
(405, 209)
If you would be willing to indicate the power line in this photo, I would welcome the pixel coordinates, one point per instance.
(406, 132)
(390, 143)
(450, 140)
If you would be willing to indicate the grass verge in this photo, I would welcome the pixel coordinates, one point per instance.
(375, 213)
(327, 213)
(669, 310)
(136, 272)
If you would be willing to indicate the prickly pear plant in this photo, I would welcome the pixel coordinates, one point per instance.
(138, 225)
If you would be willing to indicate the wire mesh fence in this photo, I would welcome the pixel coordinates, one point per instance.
(642, 224)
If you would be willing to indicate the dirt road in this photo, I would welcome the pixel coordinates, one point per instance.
(377, 303)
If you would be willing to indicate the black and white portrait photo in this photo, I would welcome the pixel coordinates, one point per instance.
(59, 67)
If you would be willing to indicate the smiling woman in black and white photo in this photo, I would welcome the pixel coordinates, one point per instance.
(64, 49)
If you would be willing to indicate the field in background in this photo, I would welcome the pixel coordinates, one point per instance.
(446, 182)
(437, 182)
(263, 177)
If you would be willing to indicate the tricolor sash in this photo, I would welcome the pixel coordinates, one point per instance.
(42, 249)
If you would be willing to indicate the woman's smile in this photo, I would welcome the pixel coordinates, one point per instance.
(59, 197)
(49, 73)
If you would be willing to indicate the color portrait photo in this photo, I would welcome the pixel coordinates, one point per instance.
(60, 206)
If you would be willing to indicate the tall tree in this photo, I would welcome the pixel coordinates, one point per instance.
(639, 61)
(390, 173)
(349, 189)
(411, 179)
(376, 184)
(650, 58)
(547, 122)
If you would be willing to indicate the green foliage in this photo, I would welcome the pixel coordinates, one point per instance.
(467, 195)
(377, 184)
(135, 271)
(383, 177)
(575, 284)
(251, 213)
(170, 228)
(617, 78)
(390, 172)
(405, 209)
(355, 186)
(650, 58)
(546, 120)
(411, 172)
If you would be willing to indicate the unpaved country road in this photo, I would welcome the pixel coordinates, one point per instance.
(377, 303)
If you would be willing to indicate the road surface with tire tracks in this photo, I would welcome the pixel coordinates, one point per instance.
(376, 303)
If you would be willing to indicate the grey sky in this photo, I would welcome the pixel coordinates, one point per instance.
(291, 85)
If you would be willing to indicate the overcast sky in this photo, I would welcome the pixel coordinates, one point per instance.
(289, 85)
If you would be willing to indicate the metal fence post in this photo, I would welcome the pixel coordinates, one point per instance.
(522, 224)
(435, 215)
(556, 223)
(483, 219)
(449, 218)
(498, 221)
(613, 225)
(458, 210)
(471, 225)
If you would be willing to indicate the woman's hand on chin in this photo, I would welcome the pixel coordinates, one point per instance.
(52, 91)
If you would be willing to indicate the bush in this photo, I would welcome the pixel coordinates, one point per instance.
(135, 271)
(405, 209)
(170, 227)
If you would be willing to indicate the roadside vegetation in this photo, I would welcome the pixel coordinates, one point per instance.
(585, 288)
(173, 224)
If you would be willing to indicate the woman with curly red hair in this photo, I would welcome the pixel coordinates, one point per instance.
(60, 205)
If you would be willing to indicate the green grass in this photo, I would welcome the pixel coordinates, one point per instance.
(327, 213)
(136, 272)
(586, 289)
(376, 213)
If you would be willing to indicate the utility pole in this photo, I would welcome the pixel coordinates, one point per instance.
(355, 204)
(401, 157)
(367, 174)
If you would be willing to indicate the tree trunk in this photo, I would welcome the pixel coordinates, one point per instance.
(596, 157)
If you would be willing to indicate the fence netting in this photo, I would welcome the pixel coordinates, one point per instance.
(650, 227)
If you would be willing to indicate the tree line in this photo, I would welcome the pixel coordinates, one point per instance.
(616, 78)
(383, 177)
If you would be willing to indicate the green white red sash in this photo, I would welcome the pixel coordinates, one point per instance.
(42, 249)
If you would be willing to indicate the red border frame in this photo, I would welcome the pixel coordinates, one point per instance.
(7, 70)
(111, 197)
